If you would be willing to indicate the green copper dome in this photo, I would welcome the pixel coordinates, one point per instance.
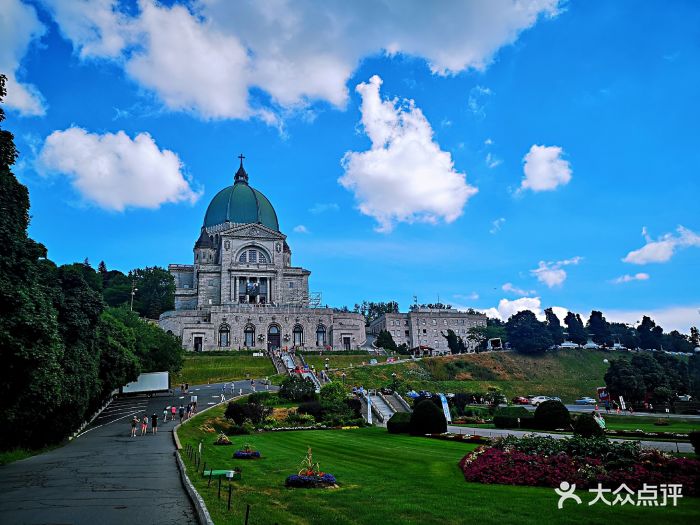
(241, 204)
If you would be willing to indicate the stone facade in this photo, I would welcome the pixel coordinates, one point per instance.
(242, 290)
(425, 326)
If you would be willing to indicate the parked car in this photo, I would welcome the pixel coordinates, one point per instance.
(535, 401)
(585, 401)
(555, 399)
(685, 397)
(520, 400)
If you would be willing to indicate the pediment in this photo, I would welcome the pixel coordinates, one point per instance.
(252, 231)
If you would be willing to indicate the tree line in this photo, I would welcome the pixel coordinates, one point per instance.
(64, 348)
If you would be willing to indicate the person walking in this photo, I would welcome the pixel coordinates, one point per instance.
(165, 414)
(134, 422)
(144, 425)
(187, 387)
(181, 413)
(189, 410)
(154, 423)
(173, 411)
(607, 406)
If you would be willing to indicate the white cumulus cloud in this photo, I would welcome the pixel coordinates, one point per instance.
(208, 55)
(545, 169)
(679, 318)
(506, 308)
(662, 249)
(300, 228)
(627, 278)
(115, 171)
(552, 273)
(497, 224)
(19, 27)
(510, 288)
(404, 176)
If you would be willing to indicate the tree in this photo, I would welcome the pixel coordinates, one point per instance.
(554, 327)
(478, 336)
(119, 364)
(371, 310)
(528, 335)
(454, 342)
(678, 342)
(427, 418)
(622, 379)
(625, 335)
(599, 328)
(385, 341)
(576, 332)
(694, 375)
(649, 334)
(156, 291)
(297, 388)
(694, 337)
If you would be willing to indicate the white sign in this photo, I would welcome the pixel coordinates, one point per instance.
(622, 403)
(446, 409)
(369, 409)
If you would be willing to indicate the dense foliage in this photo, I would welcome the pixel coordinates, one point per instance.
(386, 341)
(552, 415)
(427, 418)
(586, 426)
(62, 352)
(297, 388)
(528, 335)
(655, 376)
(399, 423)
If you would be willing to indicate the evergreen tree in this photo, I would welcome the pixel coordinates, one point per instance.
(649, 334)
(386, 341)
(156, 291)
(526, 334)
(554, 327)
(599, 328)
(576, 332)
(694, 337)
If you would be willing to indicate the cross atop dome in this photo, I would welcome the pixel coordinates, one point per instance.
(241, 175)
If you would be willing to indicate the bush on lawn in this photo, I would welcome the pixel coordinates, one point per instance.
(242, 412)
(427, 418)
(507, 417)
(399, 423)
(586, 426)
(695, 440)
(552, 415)
(260, 398)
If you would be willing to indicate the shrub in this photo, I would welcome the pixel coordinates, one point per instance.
(355, 405)
(515, 411)
(297, 388)
(260, 398)
(505, 421)
(427, 418)
(586, 426)
(551, 415)
(399, 423)
(312, 408)
(241, 412)
(695, 440)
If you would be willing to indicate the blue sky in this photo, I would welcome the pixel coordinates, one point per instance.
(550, 156)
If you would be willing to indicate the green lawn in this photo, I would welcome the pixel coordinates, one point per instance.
(339, 361)
(202, 368)
(386, 479)
(676, 425)
(568, 374)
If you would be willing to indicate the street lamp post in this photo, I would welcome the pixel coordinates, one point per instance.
(133, 292)
(343, 376)
(393, 381)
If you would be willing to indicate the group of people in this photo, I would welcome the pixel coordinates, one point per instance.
(184, 412)
(615, 406)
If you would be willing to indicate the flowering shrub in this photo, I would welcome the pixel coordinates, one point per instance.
(222, 440)
(246, 452)
(310, 475)
(542, 461)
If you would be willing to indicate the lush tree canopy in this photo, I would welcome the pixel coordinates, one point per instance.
(526, 334)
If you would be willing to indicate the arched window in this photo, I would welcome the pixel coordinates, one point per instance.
(253, 256)
(224, 335)
(298, 335)
(249, 334)
(320, 335)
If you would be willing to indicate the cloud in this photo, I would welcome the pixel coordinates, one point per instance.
(663, 249)
(679, 318)
(478, 100)
(506, 308)
(497, 224)
(627, 278)
(114, 171)
(404, 176)
(210, 56)
(545, 169)
(300, 228)
(509, 287)
(469, 297)
(551, 273)
(322, 207)
(19, 27)
(492, 161)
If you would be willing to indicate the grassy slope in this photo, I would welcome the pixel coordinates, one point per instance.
(337, 361)
(387, 479)
(202, 368)
(568, 374)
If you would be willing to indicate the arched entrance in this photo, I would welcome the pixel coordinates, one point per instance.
(273, 337)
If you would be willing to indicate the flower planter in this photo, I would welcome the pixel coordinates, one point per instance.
(246, 454)
(311, 482)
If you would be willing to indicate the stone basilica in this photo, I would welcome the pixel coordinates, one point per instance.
(242, 290)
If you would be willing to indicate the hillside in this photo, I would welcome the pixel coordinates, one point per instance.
(568, 374)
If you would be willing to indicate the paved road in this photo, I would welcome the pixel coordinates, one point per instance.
(104, 476)
(665, 446)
